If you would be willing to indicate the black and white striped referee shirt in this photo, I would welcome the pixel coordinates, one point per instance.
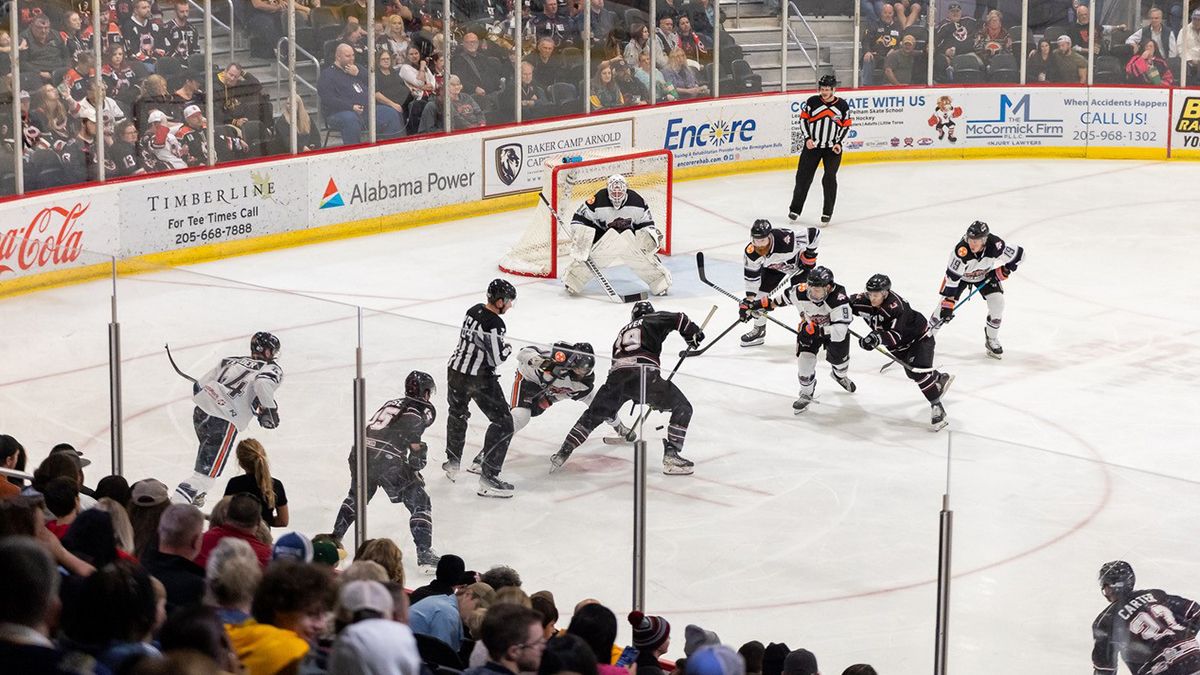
(481, 345)
(825, 123)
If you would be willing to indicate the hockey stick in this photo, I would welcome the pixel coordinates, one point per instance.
(608, 289)
(932, 328)
(176, 367)
(698, 352)
(880, 349)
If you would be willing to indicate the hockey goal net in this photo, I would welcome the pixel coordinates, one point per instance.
(567, 185)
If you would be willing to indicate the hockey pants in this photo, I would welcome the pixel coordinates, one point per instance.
(807, 346)
(401, 484)
(806, 169)
(216, 436)
(638, 250)
(486, 392)
(624, 384)
(993, 292)
(920, 355)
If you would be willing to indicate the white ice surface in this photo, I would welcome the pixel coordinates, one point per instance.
(821, 530)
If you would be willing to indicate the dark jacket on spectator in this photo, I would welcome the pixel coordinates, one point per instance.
(434, 587)
(183, 579)
(47, 56)
(545, 73)
(340, 90)
(476, 71)
(281, 141)
(647, 663)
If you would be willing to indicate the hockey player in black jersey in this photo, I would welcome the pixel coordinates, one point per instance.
(395, 456)
(471, 376)
(904, 332)
(825, 319)
(640, 344)
(774, 259)
(615, 226)
(980, 259)
(1155, 633)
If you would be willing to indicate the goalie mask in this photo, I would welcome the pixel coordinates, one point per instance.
(618, 190)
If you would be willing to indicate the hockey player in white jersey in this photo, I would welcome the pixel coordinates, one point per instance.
(980, 259)
(825, 318)
(227, 398)
(774, 259)
(615, 226)
(546, 376)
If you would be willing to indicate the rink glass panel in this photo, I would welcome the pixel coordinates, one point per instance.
(206, 315)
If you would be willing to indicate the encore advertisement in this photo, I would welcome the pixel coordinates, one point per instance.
(43, 234)
(716, 133)
(514, 163)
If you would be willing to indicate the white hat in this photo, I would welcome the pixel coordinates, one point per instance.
(191, 110)
(359, 595)
(157, 116)
(1063, 38)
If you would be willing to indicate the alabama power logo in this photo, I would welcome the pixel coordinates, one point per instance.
(1189, 117)
(49, 239)
(332, 198)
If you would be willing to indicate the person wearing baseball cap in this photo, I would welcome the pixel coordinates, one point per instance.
(162, 145)
(192, 137)
(1067, 65)
(652, 639)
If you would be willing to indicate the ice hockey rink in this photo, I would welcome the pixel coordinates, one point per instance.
(821, 531)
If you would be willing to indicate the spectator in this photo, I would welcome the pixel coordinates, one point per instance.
(695, 46)
(180, 39)
(73, 36)
(239, 97)
(465, 112)
(42, 50)
(245, 514)
(293, 546)
(441, 616)
(501, 576)
(161, 151)
(263, 22)
(640, 43)
(1154, 30)
(143, 35)
(385, 552)
(1189, 40)
(122, 527)
(543, 603)
(79, 160)
(715, 659)
(1147, 67)
(257, 481)
(231, 577)
(75, 79)
(533, 97)
(187, 91)
(56, 465)
(993, 37)
(395, 38)
(703, 14)
(800, 662)
(97, 99)
(682, 78)
(665, 36)
(597, 626)
(1065, 64)
(547, 65)
(355, 12)
(954, 35)
(115, 487)
(373, 643)
(113, 615)
(128, 161)
(289, 613)
(695, 637)
(666, 90)
(752, 653)
(29, 585)
(198, 629)
(180, 532)
(567, 653)
(308, 137)
(553, 24)
(773, 657)
(480, 74)
(155, 96)
(192, 138)
(450, 569)
(49, 115)
(343, 92)
(92, 538)
(514, 641)
(604, 22)
(880, 39)
(146, 505)
(899, 65)
(652, 639)
(62, 494)
(415, 73)
(355, 35)
(11, 455)
(1079, 30)
(908, 12)
(632, 89)
(365, 570)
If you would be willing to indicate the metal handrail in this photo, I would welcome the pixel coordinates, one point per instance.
(279, 62)
(796, 40)
(232, 37)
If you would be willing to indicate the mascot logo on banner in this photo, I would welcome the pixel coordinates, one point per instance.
(508, 162)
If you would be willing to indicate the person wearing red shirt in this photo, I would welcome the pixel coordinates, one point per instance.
(245, 512)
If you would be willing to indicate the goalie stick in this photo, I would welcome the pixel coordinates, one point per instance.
(182, 374)
(880, 349)
(604, 283)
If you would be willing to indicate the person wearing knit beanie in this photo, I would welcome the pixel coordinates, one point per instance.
(695, 637)
(800, 662)
(652, 639)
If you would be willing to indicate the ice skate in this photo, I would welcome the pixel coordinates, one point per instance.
(937, 420)
(451, 469)
(943, 383)
(623, 435)
(674, 464)
(825, 219)
(792, 216)
(756, 336)
(427, 560)
(558, 459)
(846, 383)
(801, 404)
(186, 494)
(476, 466)
(492, 486)
(993, 347)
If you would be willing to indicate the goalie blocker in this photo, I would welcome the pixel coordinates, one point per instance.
(615, 226)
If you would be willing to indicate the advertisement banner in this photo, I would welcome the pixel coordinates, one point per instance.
(715, 133)
(392, 179)
(1117, 117)
(70, 229)
(513, 163)
(900, 119)
(209, 207)
(1185, 124)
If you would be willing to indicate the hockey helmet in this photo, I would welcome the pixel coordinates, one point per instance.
(820, 279)
(585, 359)
(879, 283)
(501, 289)
(419, 384)
(978, 230)
(562, 353)
(641, 308)
(1117, 575)
(827, 81)
(761, 229)
(618, 190)
(261, 342)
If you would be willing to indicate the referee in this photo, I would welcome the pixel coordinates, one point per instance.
(471, 376)
(824, 122)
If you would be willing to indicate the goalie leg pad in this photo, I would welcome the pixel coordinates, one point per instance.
(576, 277)
(646, 264)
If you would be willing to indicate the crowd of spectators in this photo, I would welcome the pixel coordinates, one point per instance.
(118, 580)
(982, 43)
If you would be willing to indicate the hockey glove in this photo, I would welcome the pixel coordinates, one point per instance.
(751, 307)
(505, 351)
(1001, 273)
(695, 340)
(268, 418)
(869, 341)
(418, 454)
(947, 310)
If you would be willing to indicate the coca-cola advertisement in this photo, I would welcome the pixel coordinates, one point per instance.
(41, 235)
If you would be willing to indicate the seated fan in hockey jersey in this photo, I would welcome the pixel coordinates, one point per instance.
(547, 251)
